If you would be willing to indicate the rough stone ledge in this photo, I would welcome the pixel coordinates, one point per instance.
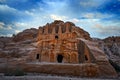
(49, 77)
(83, 70)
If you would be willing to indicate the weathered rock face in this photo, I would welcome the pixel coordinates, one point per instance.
(26, 35)
(57, 42)
(61, 42)
(112, 39)
(59, 27)
(111, 47)
(4, 41)
(19, 46)
(82, 70)
(115, 49)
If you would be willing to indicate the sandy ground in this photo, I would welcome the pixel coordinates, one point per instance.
(47, 78)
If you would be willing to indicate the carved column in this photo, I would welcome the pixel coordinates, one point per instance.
(53, 30)
(52, 56)
(80, 47)
(67, 29)
(46, 30)
(60, 30)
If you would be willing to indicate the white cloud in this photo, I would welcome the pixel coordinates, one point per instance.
(10, 10)
(75, 20)
(2, 1)
(104, 30)
(26, 25)
(9, 27)
(1, 25)
(93, 3)
(7, 8)
(57, 17)
(89, 21)
(6, 27)
(89, 15)
(17, 31)
(88, 3)
(50, 3)
(96, 15)
(7, 35)
(29, 13)
(12, 14)
(5, 1)
(22, 26)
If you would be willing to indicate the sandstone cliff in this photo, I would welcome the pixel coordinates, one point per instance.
(17, 47)
(27, 34)
(20, 47)
(111, 47)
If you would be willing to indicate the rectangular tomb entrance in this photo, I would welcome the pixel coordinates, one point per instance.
(59, 58)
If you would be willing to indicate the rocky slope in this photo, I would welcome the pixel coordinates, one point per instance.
(27, 34)
(111, 47)
(18, 46)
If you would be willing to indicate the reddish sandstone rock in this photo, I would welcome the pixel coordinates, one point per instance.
(65, 48)
(112, 39)
(26, 35)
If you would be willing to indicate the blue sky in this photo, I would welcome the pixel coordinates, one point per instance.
(101, 18)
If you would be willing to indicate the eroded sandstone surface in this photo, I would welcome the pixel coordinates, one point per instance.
(59, 43)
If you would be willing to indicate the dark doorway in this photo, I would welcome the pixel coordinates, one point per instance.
(37, 56)
(86, 58)
(56, 37)
(59, 58)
